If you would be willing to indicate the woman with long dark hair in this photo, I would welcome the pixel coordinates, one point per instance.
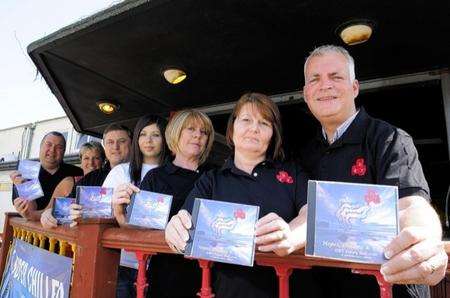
(148, 151)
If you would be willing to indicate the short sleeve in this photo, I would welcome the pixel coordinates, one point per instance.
(147, 181)
(118, 175)
(14, 193)
(398, 164)
(202, 189)
(301, 187)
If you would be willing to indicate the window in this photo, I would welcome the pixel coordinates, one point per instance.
(82, 138)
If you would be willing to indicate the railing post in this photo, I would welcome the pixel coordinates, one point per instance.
(95, 269)
(385, 287)
(8, 235)
(141, 281)
(283, 272)
(206, 290)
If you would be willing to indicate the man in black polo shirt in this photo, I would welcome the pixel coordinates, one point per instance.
(353, 147)
(53, 170)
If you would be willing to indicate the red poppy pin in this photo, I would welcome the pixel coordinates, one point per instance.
(103, 191)
(372, 197)
(284, 177)
(239, 213)
(359, 168)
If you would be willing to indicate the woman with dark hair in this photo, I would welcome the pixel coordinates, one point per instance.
(189, 136)
(148, 151)
(254, 175)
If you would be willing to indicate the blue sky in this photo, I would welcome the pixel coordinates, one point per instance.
(24, 97)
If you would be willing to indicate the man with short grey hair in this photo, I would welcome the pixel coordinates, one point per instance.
(381, 154)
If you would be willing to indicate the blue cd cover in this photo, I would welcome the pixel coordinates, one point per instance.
(351, 222)
(149, 210)
(223, 232)
(30, 190)
(29, 168)
(61, 209)
(96, 201)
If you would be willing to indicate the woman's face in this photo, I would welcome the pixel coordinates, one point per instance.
(91, 160)
(251, 132)
(192, 142)
(150, 143)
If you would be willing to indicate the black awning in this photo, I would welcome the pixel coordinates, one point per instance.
(226, 48)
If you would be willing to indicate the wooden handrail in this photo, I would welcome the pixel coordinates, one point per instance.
(135, 239)
(152, 241)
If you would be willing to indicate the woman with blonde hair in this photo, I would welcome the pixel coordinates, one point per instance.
(189, 136)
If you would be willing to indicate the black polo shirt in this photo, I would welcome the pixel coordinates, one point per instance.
(369, 151)
(50, 181)
(262, 188)
(172, 275)
(93, 178)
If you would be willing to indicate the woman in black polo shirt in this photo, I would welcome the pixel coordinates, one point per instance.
(254, 175)
(189, 136)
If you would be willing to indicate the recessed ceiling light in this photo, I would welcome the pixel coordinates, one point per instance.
(107, 107)
(174, 76)
(355, 32)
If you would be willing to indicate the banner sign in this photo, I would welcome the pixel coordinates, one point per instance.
(35, 272)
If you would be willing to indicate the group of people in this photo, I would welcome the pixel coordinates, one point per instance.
(170, 158)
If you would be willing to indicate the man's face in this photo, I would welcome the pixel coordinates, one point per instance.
(51, 152)
(117, 145)
(329, 91)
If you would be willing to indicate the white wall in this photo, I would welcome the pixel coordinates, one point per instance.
(10, 142)
(5, 196)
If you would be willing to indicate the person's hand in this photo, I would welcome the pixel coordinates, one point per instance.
(274, 234)
(47, 219)
(176, 232)
(24, 207)
(16, 177)
(121, 198)
(415, 258)
(76, 212)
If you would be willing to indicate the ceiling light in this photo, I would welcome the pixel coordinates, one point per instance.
(107, 107)
(174, 76)
(355, 32)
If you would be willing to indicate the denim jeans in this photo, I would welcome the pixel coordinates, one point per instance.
(125, 282)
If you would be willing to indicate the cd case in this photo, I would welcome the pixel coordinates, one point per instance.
(149, 210)
(29, 169)
(30, 190)
(223, 232)
(351, 222)
(96, 201)
(61, 209)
